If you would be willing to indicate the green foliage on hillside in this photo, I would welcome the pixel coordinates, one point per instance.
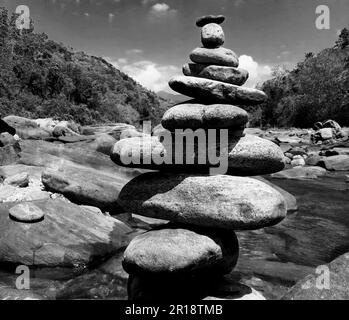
(40, 78)
(316, 90)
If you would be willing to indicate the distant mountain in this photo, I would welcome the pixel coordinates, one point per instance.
(317, 89)
(41, 78)
(175, 98)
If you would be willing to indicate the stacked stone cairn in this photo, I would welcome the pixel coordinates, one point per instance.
(189, 257)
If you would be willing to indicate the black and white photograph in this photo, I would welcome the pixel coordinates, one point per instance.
(174, 157)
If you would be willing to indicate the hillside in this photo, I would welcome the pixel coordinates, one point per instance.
(316, 90)
(41, 78)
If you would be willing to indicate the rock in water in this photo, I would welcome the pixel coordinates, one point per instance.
(195, 115)
(219, 56)
(202, 21)
(27, 213)
(225, 202)
(248, 155)
(215, 91)
(177, 251)
(212, 36)
(219, 73)
(335, 163)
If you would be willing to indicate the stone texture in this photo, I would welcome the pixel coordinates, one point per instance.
(215, 91)
(86, 187)
(335, 163)
(68, 237)
(300, 173)
(194, 116)
(248, 155)
(225, 202)
(9, 155)
(26, 212)
(202, 21)
(174, 250)
(20, 180)
(219, 56)
(212, 36)
(315, 286)
(219, 73)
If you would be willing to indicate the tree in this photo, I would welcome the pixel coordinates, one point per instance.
(343, 40)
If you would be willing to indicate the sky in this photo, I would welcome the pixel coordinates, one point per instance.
(151, 39)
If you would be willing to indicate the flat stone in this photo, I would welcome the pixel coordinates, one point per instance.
(27, 213)
(215, 91)
(219, 73)
(195, 116)
(174, 250)
(300, 173)
(202, 21)
(248, 155)
(225, 202)
(335, 163)
(219, 56)
(68, 236)
(212, 36)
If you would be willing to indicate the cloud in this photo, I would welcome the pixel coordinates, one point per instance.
(258, 73)
(161, 10)
(150, 74)
(134, 52)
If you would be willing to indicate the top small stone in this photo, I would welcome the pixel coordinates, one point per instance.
(201, 22)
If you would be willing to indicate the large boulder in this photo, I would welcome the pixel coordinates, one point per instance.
(27, 128)
(68, 236)
(225, 202)
(85, 186)
(328, 282)
(177, 250)
(335, 163)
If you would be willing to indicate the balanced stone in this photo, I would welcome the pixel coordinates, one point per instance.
(248, 155)
(27, 213)
(227, 202)
(174, 250)
(219, 56)
(219, 73)
(212, 36)
(194, 115)
(202, 21)
(215, 91)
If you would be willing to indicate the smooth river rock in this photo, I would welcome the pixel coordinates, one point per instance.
(215, 91)
(26, 212)
(219, 56)
(202, 21)
(248, 155)
(175, 250)
(225, 202)
(335, 163)
(195, 116)
(212, 36)
(219, 73)
(68, 237)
